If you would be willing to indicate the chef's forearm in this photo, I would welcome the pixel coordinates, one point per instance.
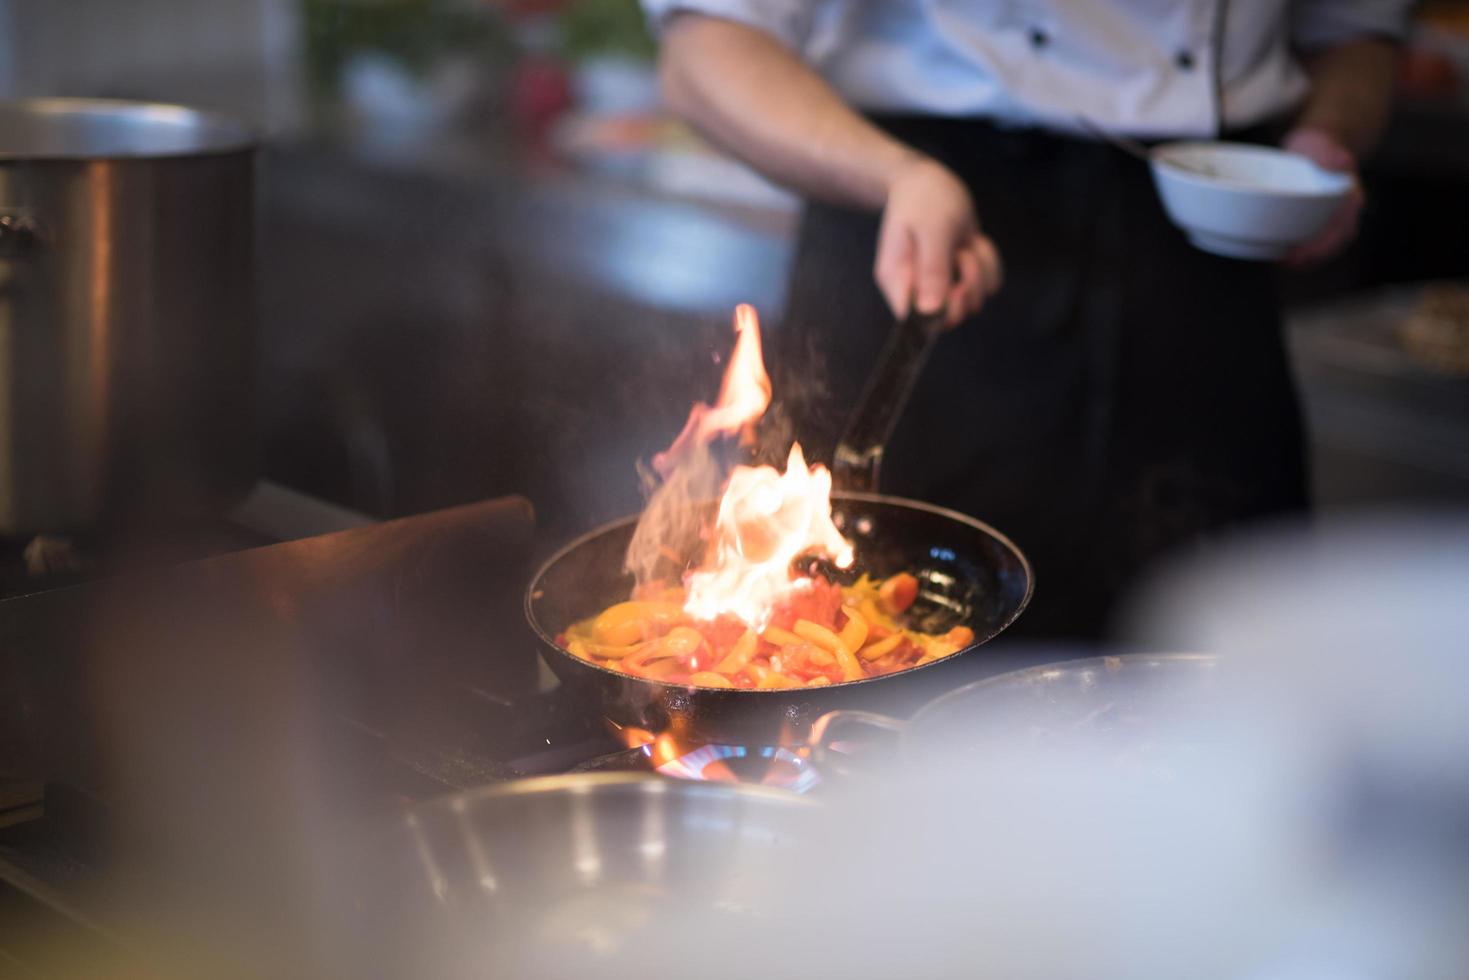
(1351, 92)
(745, 91)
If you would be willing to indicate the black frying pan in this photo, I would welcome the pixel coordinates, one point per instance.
(969, 575)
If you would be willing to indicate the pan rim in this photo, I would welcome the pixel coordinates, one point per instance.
(876, 498)
(1104, 661)
(458, 803)
(590, 782)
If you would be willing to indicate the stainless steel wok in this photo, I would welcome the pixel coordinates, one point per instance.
(559, 875)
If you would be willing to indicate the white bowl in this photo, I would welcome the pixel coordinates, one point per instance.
(1245, 201)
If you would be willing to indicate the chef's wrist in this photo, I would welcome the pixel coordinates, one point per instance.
(1325, 144)
(1350, 97)
(900, 165)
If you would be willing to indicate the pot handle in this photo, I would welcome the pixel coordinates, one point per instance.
(824, 736)
(20, 234)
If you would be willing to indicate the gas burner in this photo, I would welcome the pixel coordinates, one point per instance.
(766, 765)
(769, 765)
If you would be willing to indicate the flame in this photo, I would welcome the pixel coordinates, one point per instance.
(630, 735)
(766, 520)
(744, 394)
(786, 761)
(666, 750)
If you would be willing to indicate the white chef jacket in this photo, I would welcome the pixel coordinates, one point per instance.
(1150, 68)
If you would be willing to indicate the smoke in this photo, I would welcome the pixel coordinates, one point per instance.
(691, 472)
(669, 533)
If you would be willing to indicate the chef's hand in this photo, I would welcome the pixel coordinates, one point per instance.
(1328, 153)
(930, 250)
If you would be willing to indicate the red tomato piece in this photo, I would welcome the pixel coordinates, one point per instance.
(820, 604)
(897, 593)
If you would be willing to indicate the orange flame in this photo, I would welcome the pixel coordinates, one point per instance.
(744, 395)
(630, 735)
(766, 520)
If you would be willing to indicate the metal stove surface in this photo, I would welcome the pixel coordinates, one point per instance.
(318, 682)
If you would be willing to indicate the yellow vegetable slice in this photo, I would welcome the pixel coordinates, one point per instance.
(881, 648)
(818, 634)
(780, 637)
(854, 634)
(827, 640)
(935, 648)
(757, 672)
(875, 616)
(629, 622)
(851, 667)
(739, 654)
(681, 641)
(708, 678)
(661, 670)
(820, 657)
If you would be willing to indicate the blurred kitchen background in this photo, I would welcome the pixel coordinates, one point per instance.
(491, 264)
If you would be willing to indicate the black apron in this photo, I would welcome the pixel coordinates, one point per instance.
(1123, 396)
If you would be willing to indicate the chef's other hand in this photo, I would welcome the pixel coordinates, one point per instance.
(930, 251)
(1328, 153)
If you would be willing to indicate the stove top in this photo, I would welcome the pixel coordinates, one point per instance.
(312, 683)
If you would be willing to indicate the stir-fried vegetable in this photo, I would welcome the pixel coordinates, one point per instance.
(823, 634)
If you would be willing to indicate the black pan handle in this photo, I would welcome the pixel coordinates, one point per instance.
(858, 461)
(20, 233)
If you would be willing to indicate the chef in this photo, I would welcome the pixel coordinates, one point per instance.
(1125, 395)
